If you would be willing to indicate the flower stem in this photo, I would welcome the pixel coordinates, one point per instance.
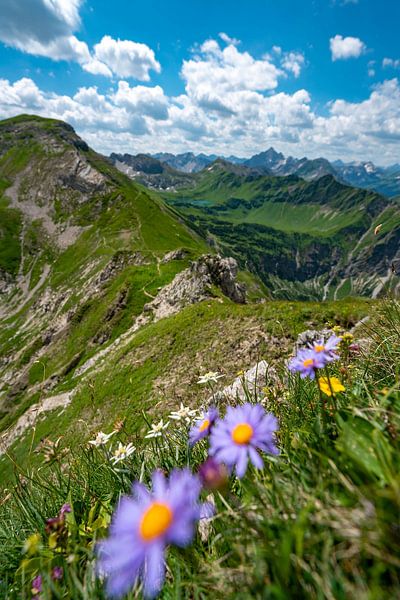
(330, 386)
(321, 396)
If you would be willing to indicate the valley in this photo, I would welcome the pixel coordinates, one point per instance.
(303, 239)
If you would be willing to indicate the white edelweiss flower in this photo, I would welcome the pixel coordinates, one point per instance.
(157, 430)
(210, 377)
(185, 413)
(122, 452)
(101, 438)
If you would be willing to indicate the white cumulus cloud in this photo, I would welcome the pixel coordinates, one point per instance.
(231, 104)
(343, 48)
(229, 40)
(47, 28)
(124, 58)
(149, 101)
(214, 76)
(293, 62)
(43, 28)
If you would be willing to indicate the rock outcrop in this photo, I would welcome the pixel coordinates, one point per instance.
(194, 284)
(248, 386)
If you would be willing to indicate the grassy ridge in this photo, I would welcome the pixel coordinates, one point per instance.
(319, 521)
(122, 225)
(158, 363)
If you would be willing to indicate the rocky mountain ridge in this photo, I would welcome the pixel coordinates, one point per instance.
(384, 180)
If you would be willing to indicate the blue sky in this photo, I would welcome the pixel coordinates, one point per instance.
(316, 78)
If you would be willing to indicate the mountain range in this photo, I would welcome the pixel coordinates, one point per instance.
(384, 180)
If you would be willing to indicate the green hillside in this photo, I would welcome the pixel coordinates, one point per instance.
(303, 239)
(79, 258)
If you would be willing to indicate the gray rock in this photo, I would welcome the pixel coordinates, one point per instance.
(179, 254)
(249, 385)
(194, 285)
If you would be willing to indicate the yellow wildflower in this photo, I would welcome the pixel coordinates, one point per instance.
(32, 544)
(347, 337)
(332, 384)
(337, 329)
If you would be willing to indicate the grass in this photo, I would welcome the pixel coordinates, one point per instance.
(162, 362)
(283, 216)
(319, 521)
(10, 228)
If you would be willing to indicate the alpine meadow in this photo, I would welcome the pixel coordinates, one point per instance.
(199, 300)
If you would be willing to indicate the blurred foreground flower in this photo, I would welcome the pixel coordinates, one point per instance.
(202, 426)
(101, 438)
(157, 430)
(122, 453)
(185, 413)
(57, 573)
(57, 523)
(333, 384)
(36, 587)
(210, 377)
(213, 475)
(32, 544)
(326, 350)
(143, 525)
(308, 360)
(238, 437)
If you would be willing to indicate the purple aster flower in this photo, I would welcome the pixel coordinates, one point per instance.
(143, 525)
(306, 362)
(238, 437)
(327, 349)
(213, 475)
(203, 426)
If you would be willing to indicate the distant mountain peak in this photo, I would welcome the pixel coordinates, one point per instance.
(363, 174)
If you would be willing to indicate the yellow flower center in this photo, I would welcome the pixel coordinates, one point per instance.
(308, 362)
(155, 521)
(205, 425)
(242, 433)
(319, 348)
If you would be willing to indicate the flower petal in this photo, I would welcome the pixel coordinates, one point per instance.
(154, 571)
